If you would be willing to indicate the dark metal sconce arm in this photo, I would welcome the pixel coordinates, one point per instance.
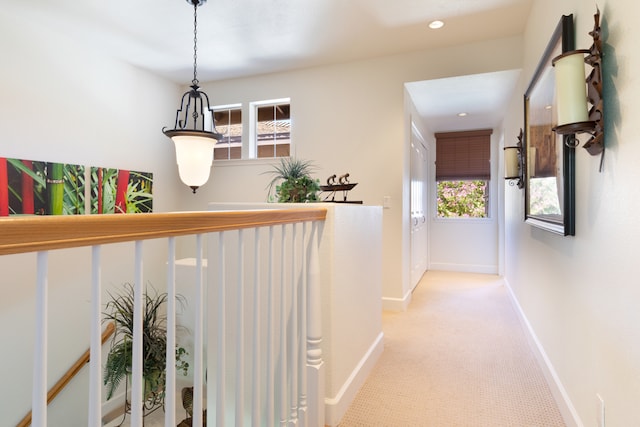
(519, 147)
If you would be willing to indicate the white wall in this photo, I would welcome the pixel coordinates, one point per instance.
(63, 101)
(351, 118)
(471, 245)
(580, 294)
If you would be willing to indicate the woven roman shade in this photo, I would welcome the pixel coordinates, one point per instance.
(463, 155)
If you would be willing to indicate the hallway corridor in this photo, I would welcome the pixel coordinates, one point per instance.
(457, 357)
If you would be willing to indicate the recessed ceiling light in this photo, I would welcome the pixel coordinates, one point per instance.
(434, 25)
(462, 114)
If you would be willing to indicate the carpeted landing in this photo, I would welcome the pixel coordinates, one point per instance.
(457, 357)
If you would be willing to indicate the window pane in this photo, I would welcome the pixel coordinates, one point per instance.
(229, 124)
(273, 130)
(463, 199)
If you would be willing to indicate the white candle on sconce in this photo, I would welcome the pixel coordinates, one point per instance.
(571, 88)
(511, 164)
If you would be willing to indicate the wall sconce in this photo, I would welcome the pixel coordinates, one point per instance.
(573, 94)
(514, 163)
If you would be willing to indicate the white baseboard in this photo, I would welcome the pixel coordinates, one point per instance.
(396, 304)
(464, 268)
(568, 411)
(337, 406)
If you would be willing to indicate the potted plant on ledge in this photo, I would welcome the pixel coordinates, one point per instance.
(293, 182)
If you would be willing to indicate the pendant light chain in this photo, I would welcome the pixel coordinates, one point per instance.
(195, 43)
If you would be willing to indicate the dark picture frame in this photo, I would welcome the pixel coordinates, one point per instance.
(549, 160)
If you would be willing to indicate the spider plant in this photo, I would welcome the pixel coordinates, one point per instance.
(292, 181)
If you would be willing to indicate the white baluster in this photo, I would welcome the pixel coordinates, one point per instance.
(95, 352)
(271, 350)
(302, 348)
(137, 383)
(257, 353)
(240, 333)
(221, 347)
(283, 332)
(170, 389)
(293, 347)
(39, 392)
(198, 337)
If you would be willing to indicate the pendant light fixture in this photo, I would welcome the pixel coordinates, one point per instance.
(194, 133)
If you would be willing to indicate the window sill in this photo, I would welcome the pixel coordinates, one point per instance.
(246, 162)
(464, 220)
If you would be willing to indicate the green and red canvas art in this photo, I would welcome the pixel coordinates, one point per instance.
(29, 187)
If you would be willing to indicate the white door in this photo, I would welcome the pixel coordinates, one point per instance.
(419, 198)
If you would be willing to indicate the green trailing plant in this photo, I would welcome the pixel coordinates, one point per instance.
(154, 330)
(292, 181)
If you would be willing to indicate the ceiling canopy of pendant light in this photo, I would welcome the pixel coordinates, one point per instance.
(194, 133)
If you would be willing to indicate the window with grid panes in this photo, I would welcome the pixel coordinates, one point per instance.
(228, 122)
(273, 130)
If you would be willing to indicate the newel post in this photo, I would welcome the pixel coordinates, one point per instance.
(315, 364)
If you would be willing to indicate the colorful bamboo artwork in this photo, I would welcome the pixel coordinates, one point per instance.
(4, 188)
(120, 191)
(45, 188)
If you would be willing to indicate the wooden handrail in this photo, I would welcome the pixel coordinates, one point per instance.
(41, 233)
(68, 376)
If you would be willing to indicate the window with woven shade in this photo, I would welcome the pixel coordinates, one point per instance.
(463, 170)
(463, 155)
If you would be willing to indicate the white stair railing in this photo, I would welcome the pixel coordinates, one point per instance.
(269, 384)
(281, 378)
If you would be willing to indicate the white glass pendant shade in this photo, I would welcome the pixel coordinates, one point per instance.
(194, 155)
(571, 89)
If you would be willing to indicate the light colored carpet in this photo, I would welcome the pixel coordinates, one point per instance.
(457, 357)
